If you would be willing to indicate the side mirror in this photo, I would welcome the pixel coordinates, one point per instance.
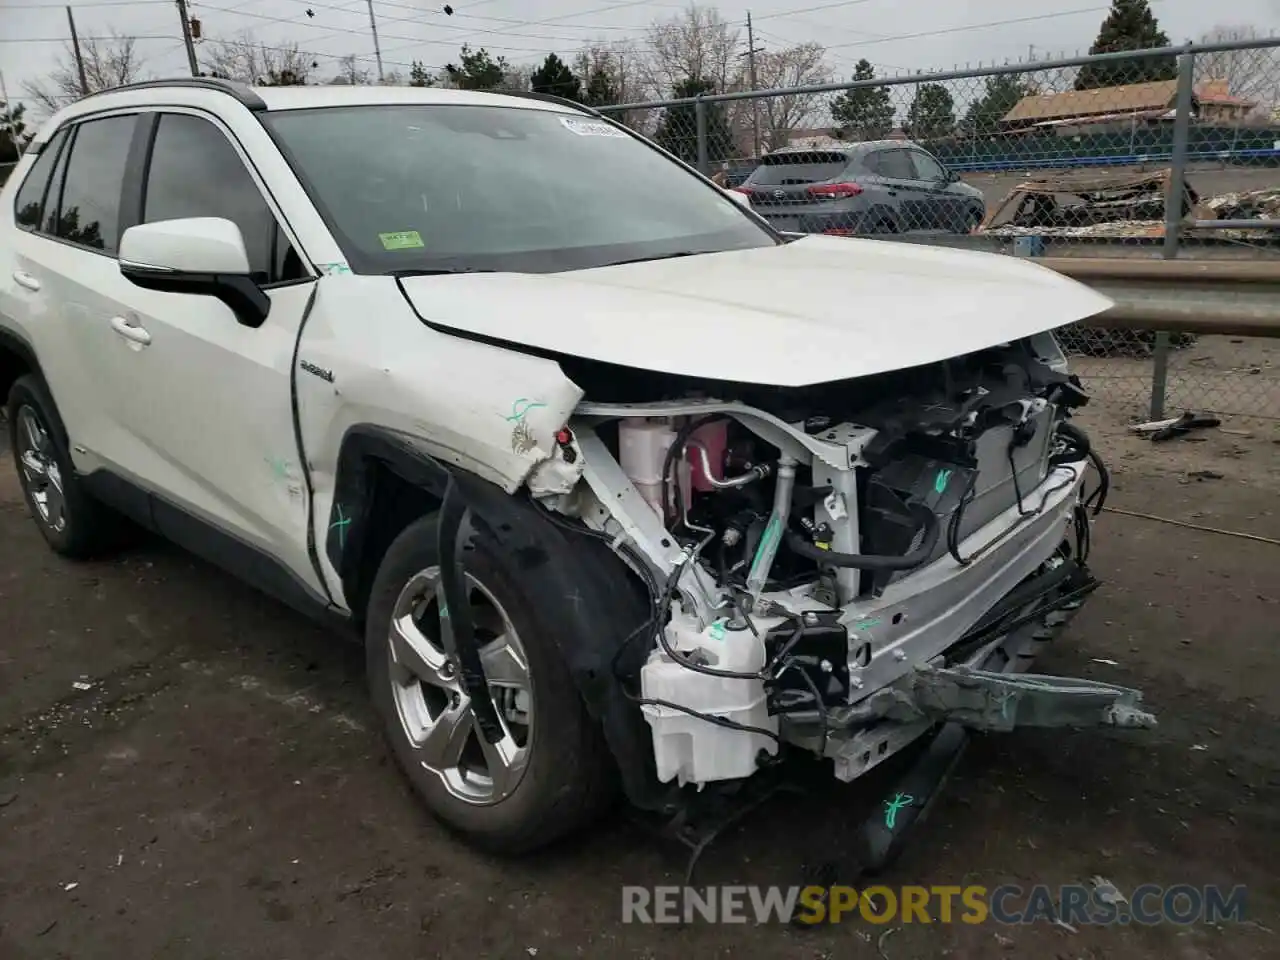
(739, 196)
(203, 256)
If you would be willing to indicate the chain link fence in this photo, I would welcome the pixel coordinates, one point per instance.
(1171, 153)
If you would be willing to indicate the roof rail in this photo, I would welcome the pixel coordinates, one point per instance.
(244, 94)
(552, 98)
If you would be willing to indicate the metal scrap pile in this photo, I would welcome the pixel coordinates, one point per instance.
(1262, 205)
(1086, 205)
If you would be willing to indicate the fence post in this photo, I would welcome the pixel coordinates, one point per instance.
(700, 121)
(1176, 191)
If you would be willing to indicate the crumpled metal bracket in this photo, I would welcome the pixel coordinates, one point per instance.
(984, 700)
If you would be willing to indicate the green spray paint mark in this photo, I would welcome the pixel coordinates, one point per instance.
(341, 525)
(279, 467)
(520, 408)
(767, 544)
(868, 623)
(716, 630)
(891, 808)
(941, 480)
(444, 610)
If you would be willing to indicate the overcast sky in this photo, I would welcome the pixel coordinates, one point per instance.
(895, 34)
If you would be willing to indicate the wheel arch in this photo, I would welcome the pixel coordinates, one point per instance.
(590, 599)
(17, 358)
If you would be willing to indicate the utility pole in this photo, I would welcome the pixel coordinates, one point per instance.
(751, 78)
(377, 50)
(186, 38)
(75, 49)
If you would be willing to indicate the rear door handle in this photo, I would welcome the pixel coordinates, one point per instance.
(25, 280)
(130, 331)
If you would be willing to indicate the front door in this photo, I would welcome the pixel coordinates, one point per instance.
(208, 401)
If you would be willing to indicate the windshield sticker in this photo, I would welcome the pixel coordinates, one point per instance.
(405, 240)
(591, 128)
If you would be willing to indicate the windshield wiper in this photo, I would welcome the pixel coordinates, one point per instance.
(662, 256)
(438, 272)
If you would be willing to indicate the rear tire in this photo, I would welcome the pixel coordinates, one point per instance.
(565, 775)
(71, 521)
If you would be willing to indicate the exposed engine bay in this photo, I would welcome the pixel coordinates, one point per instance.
(834, 567)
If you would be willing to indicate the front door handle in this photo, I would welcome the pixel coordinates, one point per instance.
(25, 280)
(130, 331)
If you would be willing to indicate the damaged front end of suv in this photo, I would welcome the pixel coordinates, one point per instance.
(837, 569)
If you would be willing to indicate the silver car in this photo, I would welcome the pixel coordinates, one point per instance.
(881, 186)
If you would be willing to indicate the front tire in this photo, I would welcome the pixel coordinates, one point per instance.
(551, 773)
(70, 520)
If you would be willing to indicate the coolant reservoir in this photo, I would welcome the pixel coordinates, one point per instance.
(687, 748)
(642, 449)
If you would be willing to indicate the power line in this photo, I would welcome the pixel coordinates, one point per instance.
(972, 26)
(155, 36)
(83, 3)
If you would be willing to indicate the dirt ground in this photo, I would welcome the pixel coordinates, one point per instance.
(220, 791)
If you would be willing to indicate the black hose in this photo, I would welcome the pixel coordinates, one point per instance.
(1080, 449)
(456, 532)
(1099, 495)
(858, 561)
(673, 451)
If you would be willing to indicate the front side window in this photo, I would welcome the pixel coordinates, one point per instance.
(927, 168)
(196, 172)
(28, 206)
(447, 187)
(89, 212)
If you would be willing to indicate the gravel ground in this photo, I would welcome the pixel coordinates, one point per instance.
(220, 790)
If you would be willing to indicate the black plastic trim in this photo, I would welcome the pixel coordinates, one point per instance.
(240, 92)
(552, 98)
(247, 563)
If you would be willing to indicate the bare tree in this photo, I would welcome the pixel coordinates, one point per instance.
(108, 63)
(696, 44)
(350, 73)
(517, 78)
(1250, 74)
(798, 66)
(613, 73)
(248, 61)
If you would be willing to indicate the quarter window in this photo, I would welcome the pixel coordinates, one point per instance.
(89, 212)
(196, 172)
(28, 207)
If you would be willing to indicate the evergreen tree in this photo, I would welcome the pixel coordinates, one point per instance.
(555, 77)
(1129, 26)
(419, 76)
(477, 70)
(1000, 96)
(932, 113)
(864, 113)
(678, 129)
(601, 91)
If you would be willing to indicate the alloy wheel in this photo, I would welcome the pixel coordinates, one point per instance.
(40, 472)
(433, 708)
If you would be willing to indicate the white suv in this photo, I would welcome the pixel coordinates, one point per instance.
(618, 485)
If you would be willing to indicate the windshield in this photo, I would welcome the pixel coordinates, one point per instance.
(786, 169)
(442, 187)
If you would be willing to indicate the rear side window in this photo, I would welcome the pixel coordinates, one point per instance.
(802, 166)
(28, 207)
(89, 214)
(892, 163)
(196, 172)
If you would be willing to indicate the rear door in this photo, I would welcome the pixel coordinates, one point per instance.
(65, 267)
(779, 187)
(914, 197)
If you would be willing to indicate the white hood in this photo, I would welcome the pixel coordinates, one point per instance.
(811, 311)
